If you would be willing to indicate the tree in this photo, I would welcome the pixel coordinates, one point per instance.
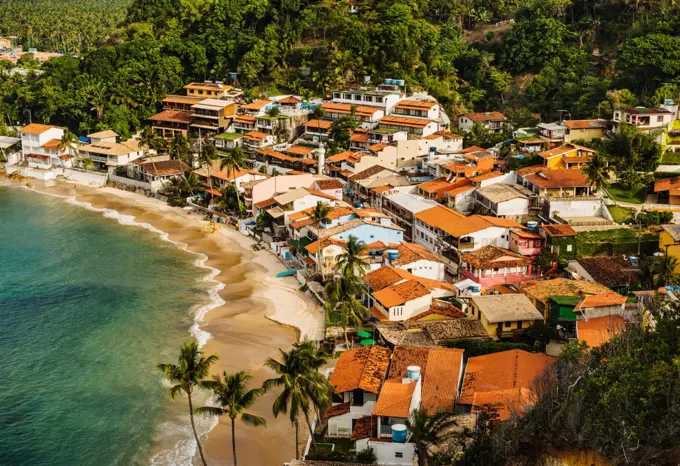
(350, 260)
(206, 157)
(148, 139)
(232, 397)
(428, 431)
(532, 42)
(596, 171)
(189, 373)
(179, 149)
(231, 162)
(87, 163)
(341, 130)
(69, 141)
(303, 387)
(342, 293)
(631, 149)
(320, 213)
(664, 268)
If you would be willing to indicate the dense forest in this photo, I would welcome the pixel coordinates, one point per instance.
(526, 57)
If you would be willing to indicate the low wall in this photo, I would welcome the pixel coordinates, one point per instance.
(579, 208)
(87, 178)
(153, 187)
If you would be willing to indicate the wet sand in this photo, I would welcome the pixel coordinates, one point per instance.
(242, 331)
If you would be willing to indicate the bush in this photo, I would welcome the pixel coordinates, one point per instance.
(367, 456)
(478, 348)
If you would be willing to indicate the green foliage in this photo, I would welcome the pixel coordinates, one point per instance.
(533, 42)
(478, 348)
(654, 217)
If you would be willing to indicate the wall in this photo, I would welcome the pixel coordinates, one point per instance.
(387, 452)
(371, 233)
(579, 208)
(280, 184)
(411, 308)
(665, 239)
(154, 186)
(86, 178)
(517, 206)
(604, 311)
(426, 269)
(473, 313)
(584, 134)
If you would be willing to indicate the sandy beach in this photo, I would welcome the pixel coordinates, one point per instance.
(260, 314)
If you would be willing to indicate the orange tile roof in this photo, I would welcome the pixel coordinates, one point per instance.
(384, 277)
(543, 289)
(485, 176)
(337, 410)
(601, 300)
(576, 159)
(52, 144)
(436, 185)
(585, 124)
(448, 135)
(501, 222)
(329, 184)
(319, 245)
(173, 116)
(364, 368)
(393, 120)
(378, 314)
(266, 203)
(360, 137)
(322, 124)
(460, 186)
(255, 135)
(301, 223)
(501, 405)
(291, 99)
(440, 369)
(299, 150)
(394, 399)
(339, 157)
(667, 184)
(247, 119)
(411, 252)
(318, 193)
(382, 189)
(359, 110)
(501, 371)
(401, 293)
(599, 330)
(257, 104)
(294, 172)
(490, 257)
(558, 231)
(439, 308)
(451, 222)
(377, 147)
(561, 150)
(35, 128)
(415, 104)
(364, 427)
(486, 116)
(182, 99)
(560, 178)
(529, 170)
(470, 149)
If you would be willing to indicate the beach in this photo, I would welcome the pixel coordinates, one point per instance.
(252, 314)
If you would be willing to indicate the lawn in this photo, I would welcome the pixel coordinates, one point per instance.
(670, 158)
(618, 235)
(618, 192)
(619, 213)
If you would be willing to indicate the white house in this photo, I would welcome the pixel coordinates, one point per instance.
(502, 200)
(491, 121)
(106, 153)
(416, 260)
(417, 109)
(384, 99)
(40, 146)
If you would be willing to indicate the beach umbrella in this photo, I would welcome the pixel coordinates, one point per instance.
(364, 334)
(367, 342)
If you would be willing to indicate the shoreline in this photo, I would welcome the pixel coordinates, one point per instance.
(255, 282)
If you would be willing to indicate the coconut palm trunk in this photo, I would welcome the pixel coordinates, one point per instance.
(193, 428)
(233, 438)
(297, 440)
(311, 432)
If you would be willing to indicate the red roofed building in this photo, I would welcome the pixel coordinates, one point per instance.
(491, 121)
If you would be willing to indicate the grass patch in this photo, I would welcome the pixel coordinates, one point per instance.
(670, 158)
(616, 235)
(619, 213)
(618, 192)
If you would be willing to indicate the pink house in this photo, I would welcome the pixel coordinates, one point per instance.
(526, 243)
(492, 265)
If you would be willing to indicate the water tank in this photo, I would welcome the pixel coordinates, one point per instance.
(357, 205)
(399, 433)
(400, 82)
(413, 372)
(392, 254)
(532, 226)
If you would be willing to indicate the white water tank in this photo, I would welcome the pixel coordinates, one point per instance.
(413, 372)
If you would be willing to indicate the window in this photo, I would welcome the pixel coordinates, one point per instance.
(659, 119)
(507, 324)
(568, 247)
(398, 454)
(519, 324)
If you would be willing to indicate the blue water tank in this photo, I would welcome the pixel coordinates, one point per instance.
(399, 433)
(532, 226)
(413, 372)
(400, 82)
(393, 254)
(357, 205)
(32, 50)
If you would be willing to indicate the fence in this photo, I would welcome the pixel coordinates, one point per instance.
(88, 178)
(154, 186)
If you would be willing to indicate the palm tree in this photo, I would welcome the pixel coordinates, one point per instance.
(206, 157)
(303, 387)
(664, 268)
(69, 141)
(189, 373)
(429, 430)
(233, 398)
(342, 293)
(597, 171)
(231, 161)
(150, 140)
(180, 149)
(320, 212)
(193, 183)
(350, 260)
(87, 163)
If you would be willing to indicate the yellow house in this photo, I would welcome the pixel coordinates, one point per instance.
(208, 90)
(669, 242)
(5, 43)
(567, 156)
(585, 130)
(504, 315)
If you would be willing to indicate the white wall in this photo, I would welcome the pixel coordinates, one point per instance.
(579, 208)
(411, 308)
(517, 206)
(387, 452)
(426, 269)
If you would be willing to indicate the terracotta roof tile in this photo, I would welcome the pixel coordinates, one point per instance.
(415, 104)
(489, 257)
(392, 120)
(337, 410)
(601, 300)
(394, 399)
(329, 184)
(542, 290)
(401, 293)
(319, 245)
(452, 222)
(560, 178)
(266, 203)
(359, 110)
(611, 271)
(384, 277)
(598, 331)
(35, 128)
(485, 116)
(365, 427)
(558, 231)
(173, 116)
(412, 252)
(52, 144)
(440, 308)
(501, 405)
(436, 185)
(501, 371)
(321, 124)
(585, 124)
(363, 368)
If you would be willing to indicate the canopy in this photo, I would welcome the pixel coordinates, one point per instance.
(364, 334)
(367, 342)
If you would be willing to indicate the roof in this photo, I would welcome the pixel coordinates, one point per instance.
(529, 170)
(645, 110)
(410, 202)
(667, 184)
(247, 119)
(601, 300)
(440, 370)
(564, 177)
(442, 309)
(436, 185)
(411, 252)
(374, 170)
(359, 110)
(7, 141)
(182, 99)
(384, 277)
(491, 257)
(599, 330)
(394, 399)
(542, 290)
(460, 186)
(499, 192)
(377, 147)
(430, 333)
(558, 230)
(291, 99)
(485, 116)
(501, 371)
(485, 176)
(112, 148)
(360, 137)
(452, 222)
(415, 104)
(257, 104)
(363, 428)
(501, 405)
(323, 124)
(364, 368)
(299, 150)
(174, 116)
(255, 135)
(211, 104)
(610, 271)
(165, 168)
(506, 308)
(329, 184)
(103, 134)
(393, 120)
(35, 128)
(673, 231)
(585, 124)
(208, 85)
(448, 135)
(322, 243)
(266, 203)
(400, 293)
(337, 410)
(52, 144)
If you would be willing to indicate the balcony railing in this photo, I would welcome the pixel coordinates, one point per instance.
(385, 431)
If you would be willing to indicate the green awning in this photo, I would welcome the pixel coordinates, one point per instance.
(363, 334)
(562, 307)
(367, 342)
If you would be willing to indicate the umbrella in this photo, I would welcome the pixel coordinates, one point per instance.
(364, 334)
(367, 342)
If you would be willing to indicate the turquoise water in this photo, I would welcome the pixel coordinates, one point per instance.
(88, 307)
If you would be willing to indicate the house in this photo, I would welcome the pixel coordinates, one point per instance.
(496, 373)
(290, 103)
(526, 242)
(384, 98)
(475, 163)
(552, 133)
(435, 189)
(600, 305)
(255, 140)
(40, 146)
(317, 130)
(228, 141)
(556, 183)
(180, 103)
(367, 116)
(417, 109)
(418, 126)
(503, 200)
(257, 107)
(238, 176)
(668, 190)
(494, 122)
(416, 260)
(402, 208)
(597, 331)
(669, 242)
(106, 153)
(169, 123)
(330, 187)
(360, 184)
(503, 315)
(159, 173)
(208, 89)
(213, 115)
(10, 149)
(643, 118)
(560, 240)
(265, 190)
(423, 332)
(567, 156)
(613, 272)
(461, 196)
(491, 265)
(356, 380)
(584, 130)
(441, 371)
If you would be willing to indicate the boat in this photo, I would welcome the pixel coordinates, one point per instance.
(287, 273)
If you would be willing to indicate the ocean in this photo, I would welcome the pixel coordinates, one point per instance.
(88, 307)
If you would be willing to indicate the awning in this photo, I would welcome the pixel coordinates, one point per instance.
(214, 192)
